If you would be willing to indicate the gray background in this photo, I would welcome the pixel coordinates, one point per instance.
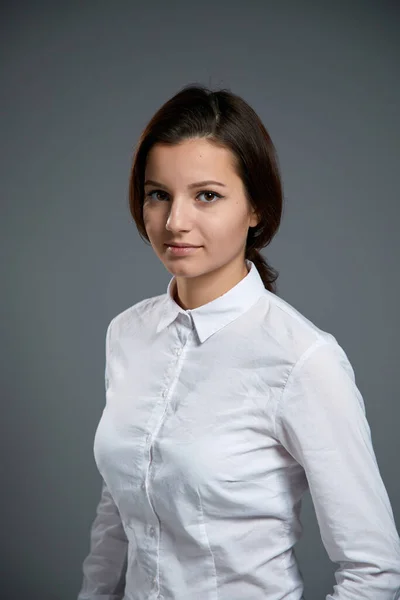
(79, 82)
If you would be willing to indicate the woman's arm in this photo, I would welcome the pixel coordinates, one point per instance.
(321, 422)
(105, 566)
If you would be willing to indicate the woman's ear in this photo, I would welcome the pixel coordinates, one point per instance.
(255, 218)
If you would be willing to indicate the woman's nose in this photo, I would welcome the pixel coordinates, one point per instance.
(179, 216)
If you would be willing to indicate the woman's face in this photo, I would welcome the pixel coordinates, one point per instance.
(193, 195)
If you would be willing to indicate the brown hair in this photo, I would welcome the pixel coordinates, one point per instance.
(227, 120)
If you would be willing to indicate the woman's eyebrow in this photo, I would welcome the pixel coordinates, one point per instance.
(190, 186)
(206, 182)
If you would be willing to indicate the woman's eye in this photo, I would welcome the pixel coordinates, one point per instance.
(155, 195)
(207, 195)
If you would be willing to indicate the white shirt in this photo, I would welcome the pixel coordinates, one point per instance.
(216, 421)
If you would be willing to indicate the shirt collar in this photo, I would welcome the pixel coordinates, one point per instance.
(211, 317)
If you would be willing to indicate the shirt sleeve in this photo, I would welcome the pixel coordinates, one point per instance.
(321, 421)
(105, 566)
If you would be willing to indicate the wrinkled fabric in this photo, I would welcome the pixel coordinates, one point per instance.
(216, 422)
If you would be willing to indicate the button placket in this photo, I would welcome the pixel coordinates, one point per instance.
(173, 370)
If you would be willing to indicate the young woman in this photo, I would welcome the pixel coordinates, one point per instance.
(224, 404)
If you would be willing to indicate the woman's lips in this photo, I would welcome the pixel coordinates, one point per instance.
(181, 250)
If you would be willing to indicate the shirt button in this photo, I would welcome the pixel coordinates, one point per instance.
(178, 351)
(152, 531)
(143, 486)
(165, 392)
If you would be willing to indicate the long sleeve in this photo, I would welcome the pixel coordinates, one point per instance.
(105, 566)
(321, 422)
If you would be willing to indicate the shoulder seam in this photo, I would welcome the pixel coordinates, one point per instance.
(138, 305)
(319, 342)
(288, 309)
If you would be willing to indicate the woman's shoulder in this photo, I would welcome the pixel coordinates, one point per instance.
(132, 317)
(292, 330)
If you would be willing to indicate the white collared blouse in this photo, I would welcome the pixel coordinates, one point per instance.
(216, 421)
